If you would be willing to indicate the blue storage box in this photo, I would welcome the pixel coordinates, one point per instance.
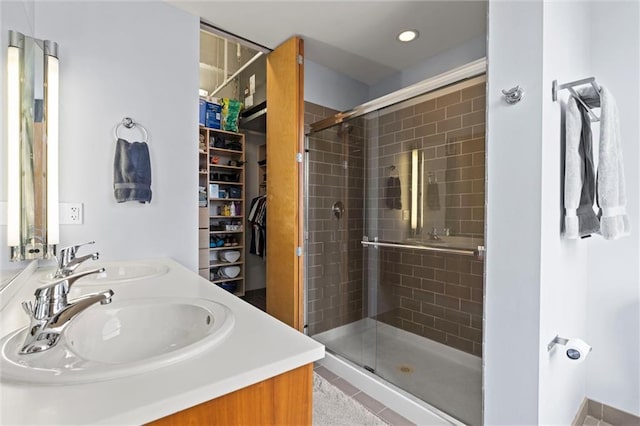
(203, 112)
(212, 115)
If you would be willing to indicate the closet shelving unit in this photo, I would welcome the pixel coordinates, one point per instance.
(225, 172)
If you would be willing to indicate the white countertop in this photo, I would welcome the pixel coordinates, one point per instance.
(258, 347)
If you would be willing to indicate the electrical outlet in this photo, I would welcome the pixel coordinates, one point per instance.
(71, 214)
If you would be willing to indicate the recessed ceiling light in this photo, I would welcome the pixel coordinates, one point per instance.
(408, 35)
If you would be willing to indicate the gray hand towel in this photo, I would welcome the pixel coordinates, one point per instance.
(433, 195)
(132, 172)
(579, 189)
(393, 195)
(612, 198)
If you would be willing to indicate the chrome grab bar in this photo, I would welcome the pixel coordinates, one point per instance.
(479, 252)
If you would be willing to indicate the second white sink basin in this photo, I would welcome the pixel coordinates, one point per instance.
(124, 338)
(117, 272)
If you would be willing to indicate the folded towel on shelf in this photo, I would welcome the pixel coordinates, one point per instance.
(579, 178)
(611, 191)
(393, 193)
(132, 172)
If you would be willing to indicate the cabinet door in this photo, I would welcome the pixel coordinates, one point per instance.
(285, 133)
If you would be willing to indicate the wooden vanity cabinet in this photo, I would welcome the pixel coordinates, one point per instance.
(285, 399)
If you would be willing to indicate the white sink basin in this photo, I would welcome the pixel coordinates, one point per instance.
(124, 338)
(117, 272)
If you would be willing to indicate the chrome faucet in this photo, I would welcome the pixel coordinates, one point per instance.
(53, 312)
(68, 262)
(433, 235)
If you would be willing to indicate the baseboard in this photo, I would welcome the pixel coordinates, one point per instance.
(604, 412)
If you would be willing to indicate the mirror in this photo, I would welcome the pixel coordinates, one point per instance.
(32, 160)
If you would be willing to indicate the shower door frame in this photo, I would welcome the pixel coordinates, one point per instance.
(456, 75)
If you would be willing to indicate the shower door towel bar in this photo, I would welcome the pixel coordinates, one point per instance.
(479, 252)
(555, 87)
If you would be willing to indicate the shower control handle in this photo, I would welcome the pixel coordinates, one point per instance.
(337, 209)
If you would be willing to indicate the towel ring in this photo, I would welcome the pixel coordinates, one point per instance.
(130, 124)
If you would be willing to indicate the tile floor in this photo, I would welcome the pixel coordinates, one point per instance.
(257, 298)
(386, 414)
(374, 406)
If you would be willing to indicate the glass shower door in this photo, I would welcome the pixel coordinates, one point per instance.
(337, 299)
(424, 222)
(395, 224)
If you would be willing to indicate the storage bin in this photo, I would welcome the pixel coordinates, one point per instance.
(203, 112)
(212, 115)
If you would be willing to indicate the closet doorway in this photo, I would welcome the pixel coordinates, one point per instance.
(232, 67)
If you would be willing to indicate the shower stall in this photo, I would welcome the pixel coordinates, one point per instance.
(395, 197)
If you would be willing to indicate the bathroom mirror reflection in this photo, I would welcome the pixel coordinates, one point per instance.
(32, 123)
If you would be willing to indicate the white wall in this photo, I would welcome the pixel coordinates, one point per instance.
(18, 16)
(563, 277)
(537, 284)
(137, 59)
(329, 88)
(512, 292)
(613, 266)
(462, 54)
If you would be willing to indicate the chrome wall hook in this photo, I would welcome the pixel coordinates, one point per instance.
(128, 122)
(513, 95)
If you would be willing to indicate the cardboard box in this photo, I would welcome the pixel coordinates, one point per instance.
(203, 112)
(213, 115)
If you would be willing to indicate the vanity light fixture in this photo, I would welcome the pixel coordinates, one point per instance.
(32, 147)
(408, 35)
(414, 189)
(51, 116)
(16, 42)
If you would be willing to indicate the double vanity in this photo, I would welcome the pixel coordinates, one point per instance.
(167, 346)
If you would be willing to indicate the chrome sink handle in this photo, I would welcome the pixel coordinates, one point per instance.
(67, 261)
(53, 312)
(67, 254)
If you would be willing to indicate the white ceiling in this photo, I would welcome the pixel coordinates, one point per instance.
(356, 38)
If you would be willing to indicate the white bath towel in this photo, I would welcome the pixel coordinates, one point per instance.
(611, 193)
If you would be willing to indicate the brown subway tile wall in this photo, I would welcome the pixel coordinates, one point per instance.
(334, 258)
(436, 296)
(449, 130)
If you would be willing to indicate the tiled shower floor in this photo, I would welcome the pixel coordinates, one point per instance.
(446, 378)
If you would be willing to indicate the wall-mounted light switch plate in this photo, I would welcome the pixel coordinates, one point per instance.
(71, 214)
